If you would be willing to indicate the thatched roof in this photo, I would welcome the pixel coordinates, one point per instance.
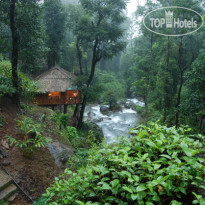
(55, 80)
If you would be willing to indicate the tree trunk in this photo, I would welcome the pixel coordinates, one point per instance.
(146, 102)
(53, 58)
(14, 57)
(65, 109)
(79, 52)
(148, 81)
(92, 73)
(182, 69)
(76, 110)
(201, 123)
(166, 83)
(81, 72)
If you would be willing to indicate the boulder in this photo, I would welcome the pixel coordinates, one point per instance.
(104, 109)
(97, 131)
(120, 102)
(128, 105)
(61, 153)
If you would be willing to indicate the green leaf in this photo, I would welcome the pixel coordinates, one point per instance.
(149, 203)
(157, 166)
(127, 189)
(175, 203)
(141, 188)
(125, 174)
(202, 201)
(115, 182)
(174, 154)
(136, 178)
(110, 198)
(80, 203)
(134, 197)
(106, 186)
(166, 156)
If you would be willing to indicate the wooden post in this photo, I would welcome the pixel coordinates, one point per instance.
(65, 109)
(52, 107)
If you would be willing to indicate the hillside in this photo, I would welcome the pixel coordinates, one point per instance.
(34, 175)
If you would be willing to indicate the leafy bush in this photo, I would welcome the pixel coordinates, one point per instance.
(5, 78)
(27, 86)
(32, 137)
(107, 88)
(72, 132)
(158, 165)
(61, 119)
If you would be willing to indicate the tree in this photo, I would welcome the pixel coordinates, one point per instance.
(23, 17)
(32, 45)
(100, 28)
(15, 52)
(54, 18)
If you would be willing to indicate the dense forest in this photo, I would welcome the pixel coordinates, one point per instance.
(114, 58)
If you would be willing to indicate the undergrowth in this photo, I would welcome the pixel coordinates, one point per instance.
(158, 165)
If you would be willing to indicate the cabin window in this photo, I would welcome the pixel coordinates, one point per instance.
(55, 95)
(75, 94)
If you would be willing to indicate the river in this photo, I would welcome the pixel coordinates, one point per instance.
(114, 124)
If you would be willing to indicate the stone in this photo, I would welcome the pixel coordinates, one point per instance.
(104, 109)
(7, 192)
(60, 152)
(4, 155)
(5, 144)
(65, 155)
(12, 197)
(97, 131)
(5, 163)
(127, 105)
(120, 102)
(5, 180)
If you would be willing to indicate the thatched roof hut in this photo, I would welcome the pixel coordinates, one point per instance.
(55, 80)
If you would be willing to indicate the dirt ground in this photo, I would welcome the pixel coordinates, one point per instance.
(35, 175)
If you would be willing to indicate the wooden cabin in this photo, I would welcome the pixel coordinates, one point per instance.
(56, 88)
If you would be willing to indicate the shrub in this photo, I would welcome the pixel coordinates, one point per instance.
(61, 119)
(5, 78)
(158, 165)
(27, 86)
(32, 137)
(72, 132)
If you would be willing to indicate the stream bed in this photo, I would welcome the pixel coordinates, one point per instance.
(114, 124)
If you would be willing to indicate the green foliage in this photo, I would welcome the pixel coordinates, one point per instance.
(29, 143)
(107, 88)
(28, 87)
(61, 119)
(72, 132)
(26, 126)
(157, 165)
(5, 78)
(54, 19)
(76, 140)
(81, 141)
(32, 36)
(2, 202)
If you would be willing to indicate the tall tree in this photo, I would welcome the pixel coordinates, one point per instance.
(32, 48)
(54, 18)
(101, 30)
(15, 51)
